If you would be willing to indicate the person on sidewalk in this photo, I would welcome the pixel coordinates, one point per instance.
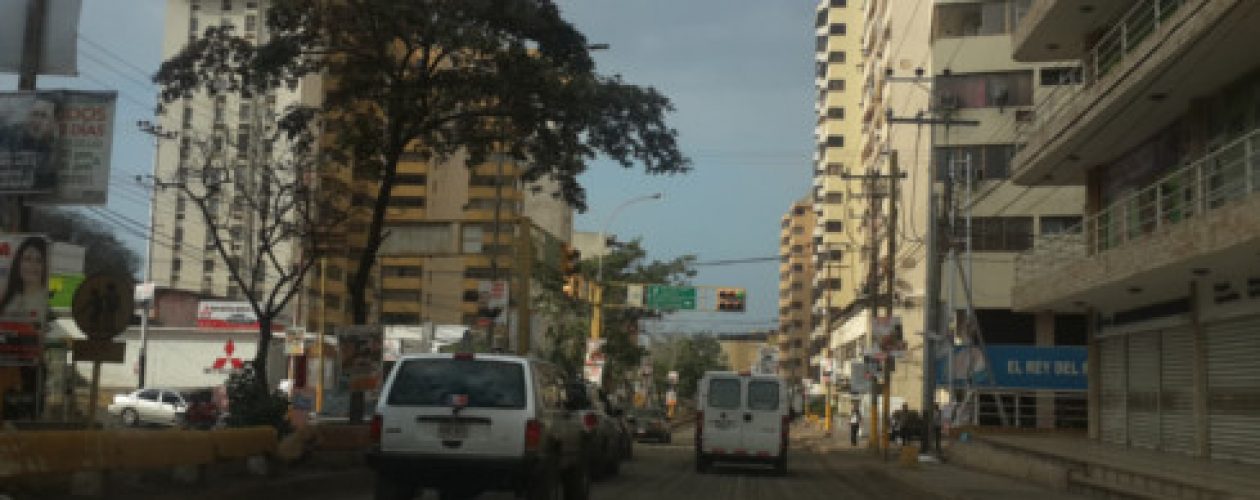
(855, 423)
(937, 417)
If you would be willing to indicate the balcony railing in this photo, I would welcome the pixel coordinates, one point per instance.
(1134, 27)
(1225, 175)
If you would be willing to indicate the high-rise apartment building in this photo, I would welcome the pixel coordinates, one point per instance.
(838, 60)
(184, 256)
(796, 274)
(1161, 128)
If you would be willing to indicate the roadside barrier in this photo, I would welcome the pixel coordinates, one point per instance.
(88, 455)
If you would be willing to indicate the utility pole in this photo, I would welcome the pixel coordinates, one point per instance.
(932, 324)
(882, 386)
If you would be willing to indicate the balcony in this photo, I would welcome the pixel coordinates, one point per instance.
(1140, 75)
(1203, 215)
(1052, 29)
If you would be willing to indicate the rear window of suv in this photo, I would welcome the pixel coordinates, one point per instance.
(432, 382)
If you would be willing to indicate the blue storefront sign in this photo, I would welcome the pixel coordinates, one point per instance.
(1058, 368)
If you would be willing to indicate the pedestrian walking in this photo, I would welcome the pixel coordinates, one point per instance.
(855, 423)
(937, 418)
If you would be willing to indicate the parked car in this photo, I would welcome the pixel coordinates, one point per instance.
(650, 423)
(467, 423)
(202, 411)
(604, 435)
(742, 418)
(149, 406)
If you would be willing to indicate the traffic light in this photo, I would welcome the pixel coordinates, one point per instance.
(731, 299)
(569, 259)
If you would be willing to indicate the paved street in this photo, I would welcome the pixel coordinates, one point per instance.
(666, 472)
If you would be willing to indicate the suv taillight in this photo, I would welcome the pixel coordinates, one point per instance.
(590, 421)
(377, 422)
(533, 435)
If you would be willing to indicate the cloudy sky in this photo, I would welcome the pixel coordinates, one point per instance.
(739, 72)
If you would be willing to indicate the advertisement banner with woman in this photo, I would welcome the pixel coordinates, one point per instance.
(23, 297)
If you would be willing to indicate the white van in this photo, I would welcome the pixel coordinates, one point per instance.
(742, 417)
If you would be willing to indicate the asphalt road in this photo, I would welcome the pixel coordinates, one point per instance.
(667, 472)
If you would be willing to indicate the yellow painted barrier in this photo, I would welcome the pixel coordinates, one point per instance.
(244, 442)
(26, 453)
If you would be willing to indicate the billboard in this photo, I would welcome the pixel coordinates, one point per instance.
(55, 145)
(360, 351)
(24, 263)
(229, 315)
(58, 55)
(1059, 368)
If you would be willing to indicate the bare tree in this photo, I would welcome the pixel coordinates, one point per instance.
(266, 206)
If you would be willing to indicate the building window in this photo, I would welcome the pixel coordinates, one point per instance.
(835, 113)
(821, 19)
(973, 19)
(820, 43)
(400, 295)
(208, 265)
(1070, 75)
(839, 3)
(982, 90)
(833, 198)
(835, 56)
(176, 264)
(834, 226)
(1060, 224)
(987, 162)
(251, 23)
(831, 284)
(797, 249)
(227, 5)
(400, 318)
(836, 85)
(407, 201)
(839, 29)
(411, 179)
(835, 141)
(1001, 234)
(401, 271)
(478, 273)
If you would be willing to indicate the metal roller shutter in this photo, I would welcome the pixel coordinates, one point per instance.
(1234, 389)
(1176, 399)
(1113, 390)
(1142, 396)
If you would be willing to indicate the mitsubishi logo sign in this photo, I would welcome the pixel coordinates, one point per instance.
(222, 362)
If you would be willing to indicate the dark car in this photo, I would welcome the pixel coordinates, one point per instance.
(605, 439)
(202, 411)
(650, 423)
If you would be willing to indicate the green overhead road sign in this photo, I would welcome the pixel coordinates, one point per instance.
(670, 298)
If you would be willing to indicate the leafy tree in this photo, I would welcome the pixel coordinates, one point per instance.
(109, 255)
(433, 78)
(691, 356)
(263, 218)
(250, 402)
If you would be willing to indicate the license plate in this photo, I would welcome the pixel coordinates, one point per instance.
(450, 431)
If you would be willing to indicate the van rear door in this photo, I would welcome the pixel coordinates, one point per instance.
(723, 415)
(763, 417)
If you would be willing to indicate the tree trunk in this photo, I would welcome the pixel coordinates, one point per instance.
(264, 347)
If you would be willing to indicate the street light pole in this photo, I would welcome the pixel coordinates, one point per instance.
(597, 289)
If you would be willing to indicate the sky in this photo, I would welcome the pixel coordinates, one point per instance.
(739, 72)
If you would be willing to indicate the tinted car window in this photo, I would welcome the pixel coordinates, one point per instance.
(724, 393)
(148, 395)
(763, 395)
(170, 398)
(432, 382)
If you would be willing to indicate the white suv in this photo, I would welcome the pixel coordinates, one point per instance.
(742, 417)
(468, 423)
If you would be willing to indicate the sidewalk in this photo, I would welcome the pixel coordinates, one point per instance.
(940, 480)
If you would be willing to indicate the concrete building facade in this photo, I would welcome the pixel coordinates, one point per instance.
(796, 271)
(1162, 133)
(975, 78)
